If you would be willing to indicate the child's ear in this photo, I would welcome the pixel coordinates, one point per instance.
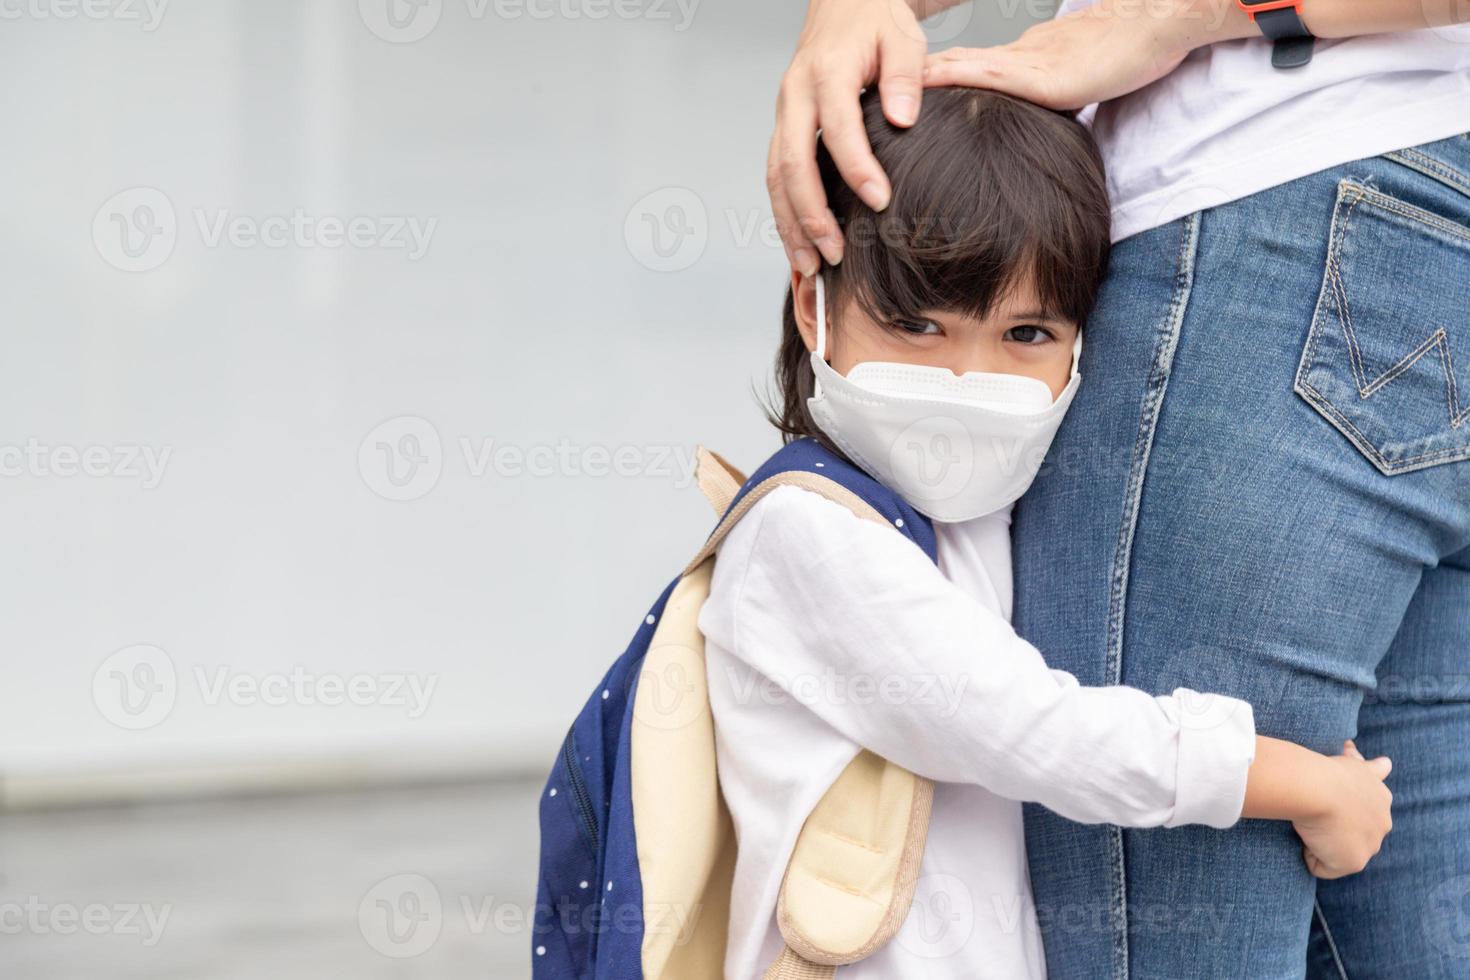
(804, 305)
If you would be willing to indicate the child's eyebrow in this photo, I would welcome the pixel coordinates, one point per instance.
(1035, 315)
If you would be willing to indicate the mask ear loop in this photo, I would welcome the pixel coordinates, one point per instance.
(1076, 353)
(822, 318)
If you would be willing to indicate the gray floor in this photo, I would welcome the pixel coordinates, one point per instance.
(274, 887)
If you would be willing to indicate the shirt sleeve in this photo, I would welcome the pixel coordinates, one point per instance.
(854, 621)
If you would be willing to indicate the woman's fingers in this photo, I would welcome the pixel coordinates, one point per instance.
(901, 77)
(846, 45)
(795, 184)
(800, 252)
(999, 69)
(846, 138)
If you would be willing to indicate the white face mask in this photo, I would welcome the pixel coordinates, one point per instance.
(955, 447)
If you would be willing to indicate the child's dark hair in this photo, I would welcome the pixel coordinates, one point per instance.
(986, 188)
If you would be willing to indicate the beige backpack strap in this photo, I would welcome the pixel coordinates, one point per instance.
(830, 489)
(790, 966)
(852, 874)
(717, 479)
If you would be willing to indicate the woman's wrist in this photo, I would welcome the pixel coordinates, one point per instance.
(1194, 23)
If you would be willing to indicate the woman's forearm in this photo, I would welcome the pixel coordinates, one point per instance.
(1223, 20)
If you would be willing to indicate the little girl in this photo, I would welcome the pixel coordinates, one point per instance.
(940, 357)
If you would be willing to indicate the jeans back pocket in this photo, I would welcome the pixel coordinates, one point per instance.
(1387, 360)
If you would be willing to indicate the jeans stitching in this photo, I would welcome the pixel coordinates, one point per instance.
(1438, 339)
(1331, 943)
(1360, 440)
(1157, 385)
(1339, 287)
(1410, 212)
(1335, 285)
(1437, 169)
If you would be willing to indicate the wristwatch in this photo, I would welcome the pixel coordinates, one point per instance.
(1281, 20)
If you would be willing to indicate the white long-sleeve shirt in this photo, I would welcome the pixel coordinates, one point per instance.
(826, 633)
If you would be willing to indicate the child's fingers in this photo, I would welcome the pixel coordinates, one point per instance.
(1381, 766)
(1316, 866)
(1350, 748)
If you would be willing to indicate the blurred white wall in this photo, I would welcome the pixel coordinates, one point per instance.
(353, 345)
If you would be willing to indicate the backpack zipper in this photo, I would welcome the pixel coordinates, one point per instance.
(579, 789)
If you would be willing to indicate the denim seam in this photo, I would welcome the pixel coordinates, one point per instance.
(1430, 167)
(1327, 935)
(1158, 383)
(1407, 211)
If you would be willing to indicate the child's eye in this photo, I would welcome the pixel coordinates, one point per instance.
(919, 328)
(1029, 335)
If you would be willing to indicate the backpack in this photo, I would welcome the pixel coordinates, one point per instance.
(637, 846)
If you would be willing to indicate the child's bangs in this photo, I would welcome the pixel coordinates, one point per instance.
(994, 194)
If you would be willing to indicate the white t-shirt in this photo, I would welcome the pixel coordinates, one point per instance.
(1225, 124)
(826, 633)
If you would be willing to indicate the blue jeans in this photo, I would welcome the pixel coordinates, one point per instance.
(1262, 489)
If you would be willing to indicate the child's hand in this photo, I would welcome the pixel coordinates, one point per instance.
(1354, 817)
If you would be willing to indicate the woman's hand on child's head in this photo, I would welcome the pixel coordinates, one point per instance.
(1354, 817)
(845, 46)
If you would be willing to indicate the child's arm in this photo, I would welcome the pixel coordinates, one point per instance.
(1338, 805)
(853, 621)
